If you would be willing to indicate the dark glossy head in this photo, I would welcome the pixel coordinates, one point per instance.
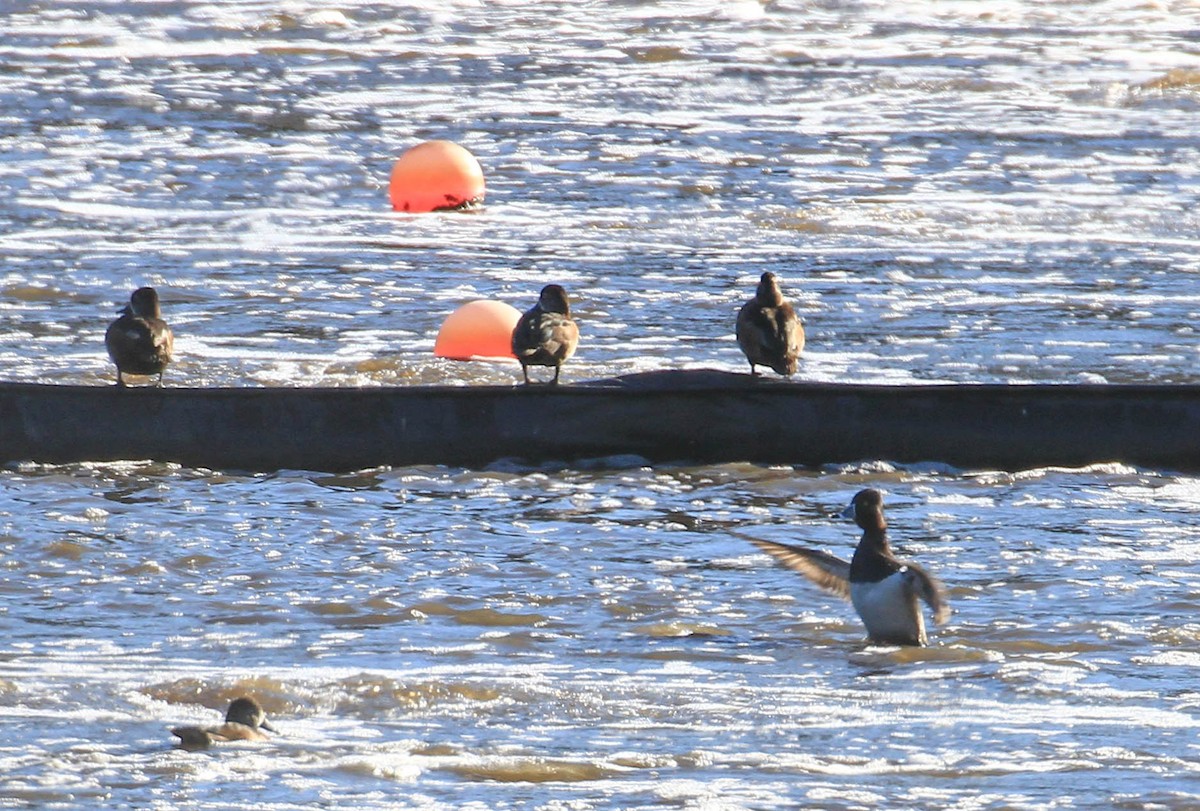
(866, 508)
(248, 712)
(553, 299)
(144, 303)
(767, 293)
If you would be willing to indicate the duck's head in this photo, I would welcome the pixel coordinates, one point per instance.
(866, 508)
(248, 712)
(767, 293)
(553, 299)
(144, 303)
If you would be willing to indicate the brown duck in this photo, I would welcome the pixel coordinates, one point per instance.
(244, 721)
(545, 335)
(768, 330)
(140, 342)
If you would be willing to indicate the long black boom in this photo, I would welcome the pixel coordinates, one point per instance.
(672, 416)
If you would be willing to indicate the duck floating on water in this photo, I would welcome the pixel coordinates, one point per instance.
(885, 591)
(768, 330)
(140, 342)
(545, 335)
(244, 721)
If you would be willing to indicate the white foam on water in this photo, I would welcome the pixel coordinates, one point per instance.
(988, 192)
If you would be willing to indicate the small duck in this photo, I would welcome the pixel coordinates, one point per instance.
(243, 722)
(884, 590)
(140, 342)
(545, 335)
(768, 330)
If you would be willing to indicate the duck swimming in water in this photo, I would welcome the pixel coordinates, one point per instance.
(768, 330)
(545, 335)
(140, 342)
(244, 721)
(885, 591)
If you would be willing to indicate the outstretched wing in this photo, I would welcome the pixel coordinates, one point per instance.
(930, 590)
(824, 570)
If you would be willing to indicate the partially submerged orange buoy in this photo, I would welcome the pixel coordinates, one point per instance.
(478, 329)
(436, 176)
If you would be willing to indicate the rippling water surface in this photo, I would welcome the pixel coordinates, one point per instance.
(989, 191)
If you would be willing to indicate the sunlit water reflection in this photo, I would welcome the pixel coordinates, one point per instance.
(994, 191)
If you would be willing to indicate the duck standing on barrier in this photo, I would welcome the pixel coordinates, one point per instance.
(768, 330)
(545, 335)
(140, 342)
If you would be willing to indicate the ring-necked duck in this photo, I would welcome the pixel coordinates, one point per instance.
(545, 335)
(768, 330)
(243, 722)
(140, 342)
(884, 590)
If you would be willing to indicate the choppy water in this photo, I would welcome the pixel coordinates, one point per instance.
(985, 191)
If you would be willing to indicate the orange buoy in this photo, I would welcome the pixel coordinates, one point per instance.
(436, 176)
(478, 329)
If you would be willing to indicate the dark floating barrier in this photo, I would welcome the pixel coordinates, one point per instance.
(697, 416)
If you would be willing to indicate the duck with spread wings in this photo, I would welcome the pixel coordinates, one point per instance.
(886, 592)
